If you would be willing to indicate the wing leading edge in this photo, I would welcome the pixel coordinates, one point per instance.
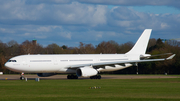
(119, 62)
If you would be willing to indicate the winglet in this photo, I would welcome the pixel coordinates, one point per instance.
(172, 56)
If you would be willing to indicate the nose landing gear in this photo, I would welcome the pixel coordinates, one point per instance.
(22, 76)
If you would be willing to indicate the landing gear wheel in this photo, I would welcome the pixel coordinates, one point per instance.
(72, 77)
(22, 78)
(68, 77)
(96, 77)
(99, 77)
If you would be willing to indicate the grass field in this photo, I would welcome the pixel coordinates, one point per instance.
(78, 90)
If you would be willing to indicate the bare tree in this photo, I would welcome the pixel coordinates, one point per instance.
(13, 48)
(85, 49)
(126, 47)
(54, 49)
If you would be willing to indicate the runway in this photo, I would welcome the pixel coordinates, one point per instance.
(30, 77)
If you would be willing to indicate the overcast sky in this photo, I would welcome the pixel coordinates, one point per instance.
(68, 22)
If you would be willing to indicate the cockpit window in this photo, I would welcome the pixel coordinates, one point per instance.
(11, 60)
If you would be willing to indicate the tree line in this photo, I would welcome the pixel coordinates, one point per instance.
(12, 48)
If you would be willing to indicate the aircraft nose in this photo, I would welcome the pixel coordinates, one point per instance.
(7, 65)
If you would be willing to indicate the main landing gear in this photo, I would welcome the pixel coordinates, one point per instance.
(76, 77)
(96, 77)
(72, 76)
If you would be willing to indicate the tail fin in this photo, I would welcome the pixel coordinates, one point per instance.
(141, 44)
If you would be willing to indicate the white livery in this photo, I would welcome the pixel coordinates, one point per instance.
(85, 65)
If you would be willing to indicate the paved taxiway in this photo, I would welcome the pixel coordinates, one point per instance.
(16, 77)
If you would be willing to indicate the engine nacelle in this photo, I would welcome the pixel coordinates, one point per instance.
(86, 72)
(45, 74)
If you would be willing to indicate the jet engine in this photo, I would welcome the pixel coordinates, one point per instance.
(86, 72)
(45, 74)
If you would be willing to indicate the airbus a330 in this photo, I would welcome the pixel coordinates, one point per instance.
(82, 65)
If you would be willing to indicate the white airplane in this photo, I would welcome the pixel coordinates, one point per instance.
(83, 65)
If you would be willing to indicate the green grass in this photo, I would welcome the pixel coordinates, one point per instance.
(78, 90)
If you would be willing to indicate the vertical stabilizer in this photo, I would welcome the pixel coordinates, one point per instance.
(141, 45)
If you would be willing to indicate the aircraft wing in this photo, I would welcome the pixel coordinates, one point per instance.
(119, 62)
